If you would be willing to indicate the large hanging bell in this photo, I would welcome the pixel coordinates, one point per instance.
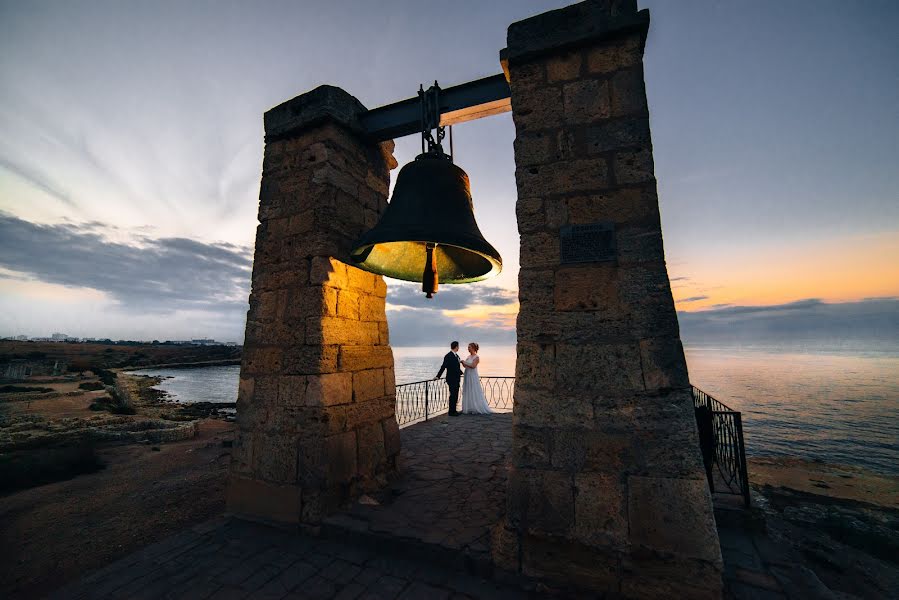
(428, 231)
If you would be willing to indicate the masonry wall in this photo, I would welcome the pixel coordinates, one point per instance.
(315, 410)
(608, 489)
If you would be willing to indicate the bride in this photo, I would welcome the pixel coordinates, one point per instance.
(473, 400)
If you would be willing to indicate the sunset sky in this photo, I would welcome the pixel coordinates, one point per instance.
(131, 150)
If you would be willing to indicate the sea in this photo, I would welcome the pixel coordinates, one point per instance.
(838, 406)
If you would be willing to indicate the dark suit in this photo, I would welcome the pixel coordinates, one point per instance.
(453, 377)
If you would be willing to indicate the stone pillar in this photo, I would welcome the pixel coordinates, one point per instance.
(607, 490)
(315, 408)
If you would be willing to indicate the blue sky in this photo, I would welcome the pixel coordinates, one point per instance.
(131, 141)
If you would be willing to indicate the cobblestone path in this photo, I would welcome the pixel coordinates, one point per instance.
(228, 558)
(452, 491)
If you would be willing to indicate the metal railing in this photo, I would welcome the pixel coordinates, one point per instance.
(421, 400)
(721, 442)
(720, 428)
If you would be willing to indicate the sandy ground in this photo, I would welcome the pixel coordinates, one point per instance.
(833, 481)
(56, 532)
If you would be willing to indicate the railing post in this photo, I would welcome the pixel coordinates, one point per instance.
(741, 453)
(427, 388)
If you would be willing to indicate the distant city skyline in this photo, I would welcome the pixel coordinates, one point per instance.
(131, 151)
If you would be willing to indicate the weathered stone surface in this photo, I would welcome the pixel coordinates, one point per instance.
(586, 287)
(586, 101)
(368, 385)
(564, 67)
(316, 354)
(669, 516)
(628, 93)
(602, 387)
(600, 511)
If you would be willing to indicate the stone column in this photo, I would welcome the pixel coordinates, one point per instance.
(315, 408)
(608, 490)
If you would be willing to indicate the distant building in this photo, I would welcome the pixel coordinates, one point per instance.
(231, 344)
(59, 337)
(22, 338)
(205, 342)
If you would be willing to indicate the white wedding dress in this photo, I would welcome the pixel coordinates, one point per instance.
(473, 400)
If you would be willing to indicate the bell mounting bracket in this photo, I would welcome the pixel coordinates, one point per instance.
(430, 121)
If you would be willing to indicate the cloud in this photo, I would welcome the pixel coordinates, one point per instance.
(37, 179)
(804, 320)
(693, 299)
(417, 327)
(150, 275)
(449, 297)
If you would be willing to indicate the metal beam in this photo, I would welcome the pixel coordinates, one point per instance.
(458, 104)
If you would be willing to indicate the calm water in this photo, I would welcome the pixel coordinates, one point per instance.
(839, 407)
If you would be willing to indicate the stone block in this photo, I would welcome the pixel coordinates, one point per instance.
(577, 175)
(532, 447)
(570, 563)
(324, 270)
(372, 450)
(609, 452)
(337, 331)
(612, 368)
(368, 385)
(347, 304)
(564, 67)
(340, 457)
(360, 414)
(292, 390)
(535, 288)
(539, 108)
(329, 389)
(539, 250)
(634, 167)
(614, 55)
(587, 287)
(600, 511)
(383, 334)
(534, 149)
(639, 244)
(569, 449)
(534, 365)
(664, 365)
(526, 77)
(673, 517)
(392, 440)
(530, 215)
(301, 359)
(275, 458)
(639, 205)
(360, 280)
(311, 301)
(260, 500)
(549, 408)
(261, 361)
(359, 358)
(541, 500)
(615, 134)
(629, 93)
(586, 101)
(372, 308)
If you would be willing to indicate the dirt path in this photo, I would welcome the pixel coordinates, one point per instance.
(57, 532)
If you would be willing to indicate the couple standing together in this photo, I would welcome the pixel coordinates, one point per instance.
(473, 400)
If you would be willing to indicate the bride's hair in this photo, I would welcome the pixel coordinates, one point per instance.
(475, 346)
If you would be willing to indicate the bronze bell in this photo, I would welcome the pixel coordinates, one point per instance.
(428, 231)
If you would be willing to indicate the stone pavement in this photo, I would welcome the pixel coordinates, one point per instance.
(229, 559)
(426, 537)
(452, 491)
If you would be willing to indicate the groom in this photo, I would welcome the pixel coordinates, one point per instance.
(453, 375)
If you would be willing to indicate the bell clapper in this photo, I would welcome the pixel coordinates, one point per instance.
(430, 279)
